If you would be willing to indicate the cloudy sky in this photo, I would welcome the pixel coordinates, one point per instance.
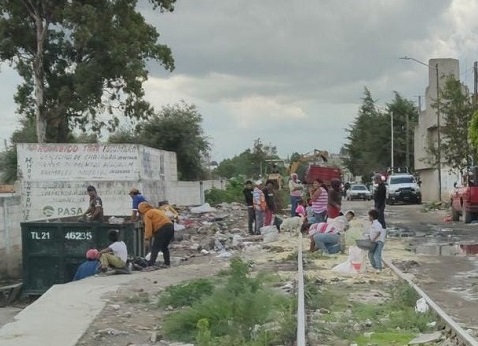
(292, 72)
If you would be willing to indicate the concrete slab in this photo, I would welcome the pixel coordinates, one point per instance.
(428, 249)
(61, 315)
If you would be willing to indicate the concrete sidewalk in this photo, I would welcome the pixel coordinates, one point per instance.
(61, 315)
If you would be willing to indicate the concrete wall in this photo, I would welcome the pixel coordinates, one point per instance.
(10, 236)
(192, 193)
(426, 131)
(54, 177)
(53, 180)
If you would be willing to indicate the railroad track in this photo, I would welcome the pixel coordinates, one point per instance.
(454, 333)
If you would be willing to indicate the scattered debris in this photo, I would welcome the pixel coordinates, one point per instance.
(112, 332)
(426, 338)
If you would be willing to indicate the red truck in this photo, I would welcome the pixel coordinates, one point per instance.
(327, 174)
(464, 199)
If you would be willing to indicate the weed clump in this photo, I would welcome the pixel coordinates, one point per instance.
(242, 312)
(185, 294)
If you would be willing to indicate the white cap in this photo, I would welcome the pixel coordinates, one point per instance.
(258, 182)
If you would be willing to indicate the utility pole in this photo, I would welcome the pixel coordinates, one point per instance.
(391, 147)
(438, 133)
(407, 142)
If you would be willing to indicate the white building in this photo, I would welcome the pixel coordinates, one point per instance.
(426, 133)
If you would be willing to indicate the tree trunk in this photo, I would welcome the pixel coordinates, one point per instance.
(39, 77)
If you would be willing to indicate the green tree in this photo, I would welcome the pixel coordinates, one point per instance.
(366, 147)
(473, 132)
(457, 109)
(405, 118)
(80, 60)
(175, 128)
(250, 163)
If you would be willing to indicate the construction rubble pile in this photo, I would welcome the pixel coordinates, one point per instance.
(219, 231)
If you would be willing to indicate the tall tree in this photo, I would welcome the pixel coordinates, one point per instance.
(175, 128)
(366, 149)
(80, 59)
(457, 108)
(251, 163)
(405, 118)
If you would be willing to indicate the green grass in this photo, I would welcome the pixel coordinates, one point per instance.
(185, 294)
(392, 338)
(393, 322)
(231, 315)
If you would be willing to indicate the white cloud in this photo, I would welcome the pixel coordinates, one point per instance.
(293, 73)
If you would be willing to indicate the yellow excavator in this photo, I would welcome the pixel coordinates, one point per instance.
(310, 156)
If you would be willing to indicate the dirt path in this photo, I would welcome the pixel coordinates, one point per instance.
(130, 318)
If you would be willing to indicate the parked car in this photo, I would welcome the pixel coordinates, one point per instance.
(358, 191)
(464, 199)
(403, 188)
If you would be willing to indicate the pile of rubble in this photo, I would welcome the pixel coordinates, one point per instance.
(220, 231)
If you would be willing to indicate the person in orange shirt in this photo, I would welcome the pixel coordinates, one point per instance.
(157, 225)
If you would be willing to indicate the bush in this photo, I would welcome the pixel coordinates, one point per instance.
(232, 314)
(232, 193)
(185, 294)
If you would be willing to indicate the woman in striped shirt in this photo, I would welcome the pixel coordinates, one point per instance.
(319, 197)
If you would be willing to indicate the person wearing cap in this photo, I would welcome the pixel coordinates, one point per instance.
(295, 191)
(136, 198)
(157, 225)
(90, 267)
(379, 198)
(95, 209)
(260, 205)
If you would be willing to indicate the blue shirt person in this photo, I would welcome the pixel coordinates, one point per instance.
(89, 267)
(137, 198)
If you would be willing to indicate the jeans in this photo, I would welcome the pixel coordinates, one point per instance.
(327, 242)
(259, 220)
(293, 204)
(381, 214)
(250, 219)
(162, 238)
(375, 256)
(321, 217)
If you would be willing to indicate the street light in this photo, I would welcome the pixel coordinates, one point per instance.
(392, 163)
(438, 120)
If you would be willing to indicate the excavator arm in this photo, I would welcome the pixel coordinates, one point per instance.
(324, 155)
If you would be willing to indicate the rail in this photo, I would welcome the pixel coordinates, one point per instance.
(460, 332)
(300, 295)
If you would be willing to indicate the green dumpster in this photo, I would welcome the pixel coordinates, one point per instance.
(53, 250)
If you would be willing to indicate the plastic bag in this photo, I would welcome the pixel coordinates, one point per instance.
(421, 306)
(205, 208)
(353, 264)
(269, 234)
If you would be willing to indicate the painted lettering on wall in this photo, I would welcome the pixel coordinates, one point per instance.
(50, 211)
(79, 161)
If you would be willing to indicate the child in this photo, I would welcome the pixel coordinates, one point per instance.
(115, 255)
(89, 267)
(300, 210)
(377, 235)
(309, 216)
